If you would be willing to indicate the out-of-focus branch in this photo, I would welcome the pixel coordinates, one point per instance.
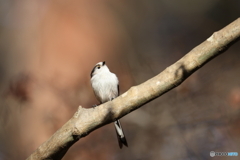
(85, 121)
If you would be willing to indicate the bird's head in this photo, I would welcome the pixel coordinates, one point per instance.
(100, 67)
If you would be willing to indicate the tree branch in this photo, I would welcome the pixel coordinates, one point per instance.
(85, 121)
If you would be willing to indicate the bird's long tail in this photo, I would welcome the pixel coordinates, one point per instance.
(120, 134)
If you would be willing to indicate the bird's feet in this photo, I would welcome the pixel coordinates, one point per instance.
(93, 106)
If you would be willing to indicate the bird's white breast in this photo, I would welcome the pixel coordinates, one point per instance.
(105, 86)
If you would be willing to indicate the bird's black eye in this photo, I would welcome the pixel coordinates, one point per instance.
(98, 67)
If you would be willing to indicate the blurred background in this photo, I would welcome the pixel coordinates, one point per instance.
(49, 47)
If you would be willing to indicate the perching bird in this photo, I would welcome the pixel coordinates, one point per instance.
(106, 87)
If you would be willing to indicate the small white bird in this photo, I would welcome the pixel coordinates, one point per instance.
(106, 87)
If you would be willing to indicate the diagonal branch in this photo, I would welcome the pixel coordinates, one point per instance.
(85, 121)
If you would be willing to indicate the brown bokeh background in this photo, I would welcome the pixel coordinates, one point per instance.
(48, 49)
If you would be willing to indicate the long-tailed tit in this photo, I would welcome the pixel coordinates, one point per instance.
(106, 87)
